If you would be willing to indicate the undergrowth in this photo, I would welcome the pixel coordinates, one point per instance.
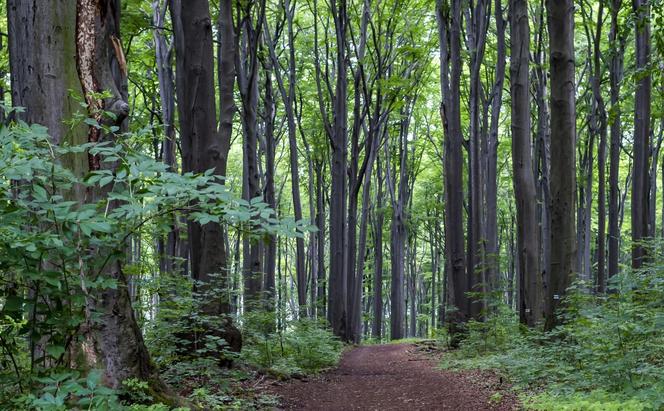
(608, 354)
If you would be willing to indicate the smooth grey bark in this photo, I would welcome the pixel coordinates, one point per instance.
(563, 156)
(170, 253)
(270, 142)
(641, 150)
(248, 34)
(338, 285)
(449, 29)
(379, 217)
(528, 247)
(288, 96)
(477, 22)
(491, 156)
(600, 125)
(226, 46)
(615, 77)
(543, 145)
(201, 147)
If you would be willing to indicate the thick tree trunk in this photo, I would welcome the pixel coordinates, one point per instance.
(528, 247)
(449, 27)
(337, 312)
(56, 49)
(563, 155)
(201, 150)
(641, 151)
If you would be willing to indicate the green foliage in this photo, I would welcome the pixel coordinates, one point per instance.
(303, 347)
(607, 354)
(68, 390)
(58, 234)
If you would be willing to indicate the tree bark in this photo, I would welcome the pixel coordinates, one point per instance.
(641, 151)
(55, 50)
(615, 76)
(248, 32)
(449, 28)
(563, 155)
(528, 247)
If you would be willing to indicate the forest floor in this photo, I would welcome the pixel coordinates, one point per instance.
(396, 377)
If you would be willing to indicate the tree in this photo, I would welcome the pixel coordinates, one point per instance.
(528, 246)
(563, 159)
(43, 73)
(449, 29)
(640, 179)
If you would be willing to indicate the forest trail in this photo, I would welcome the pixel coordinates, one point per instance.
(395, 377)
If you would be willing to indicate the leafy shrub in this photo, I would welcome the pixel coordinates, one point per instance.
(304, 346)
(607, 354)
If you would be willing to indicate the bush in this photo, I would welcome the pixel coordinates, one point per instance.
(304, 346)
(607, 354)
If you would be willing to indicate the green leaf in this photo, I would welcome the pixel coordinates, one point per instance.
(55, 351)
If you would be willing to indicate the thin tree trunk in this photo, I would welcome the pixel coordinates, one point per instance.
(616, 74)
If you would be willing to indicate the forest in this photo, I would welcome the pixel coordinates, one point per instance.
(233, 204)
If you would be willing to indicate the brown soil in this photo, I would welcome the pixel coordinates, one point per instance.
(395, 377)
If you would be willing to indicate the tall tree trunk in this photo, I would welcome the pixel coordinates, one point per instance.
(601, 124)
(477, 25)
(491, 196)
(246, 66)
(641, 151)
(57, 53)
(528, 247)
(337, 299)
(449, 28)
(615, 75)
(288, 96)
(269, 112)
(164, 53)
(563, 155)
(377, 324)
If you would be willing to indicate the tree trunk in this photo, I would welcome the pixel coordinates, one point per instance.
(164, 53)
(246, 66)
(601, 124)
(57, 53)
(337, 300)
(449, 27)
(477, 26)
(641, 151)
(491, 196)
(616, 74)
(530, 280)
(563, 155)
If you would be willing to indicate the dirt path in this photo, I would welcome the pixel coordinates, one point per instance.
(395, 377)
